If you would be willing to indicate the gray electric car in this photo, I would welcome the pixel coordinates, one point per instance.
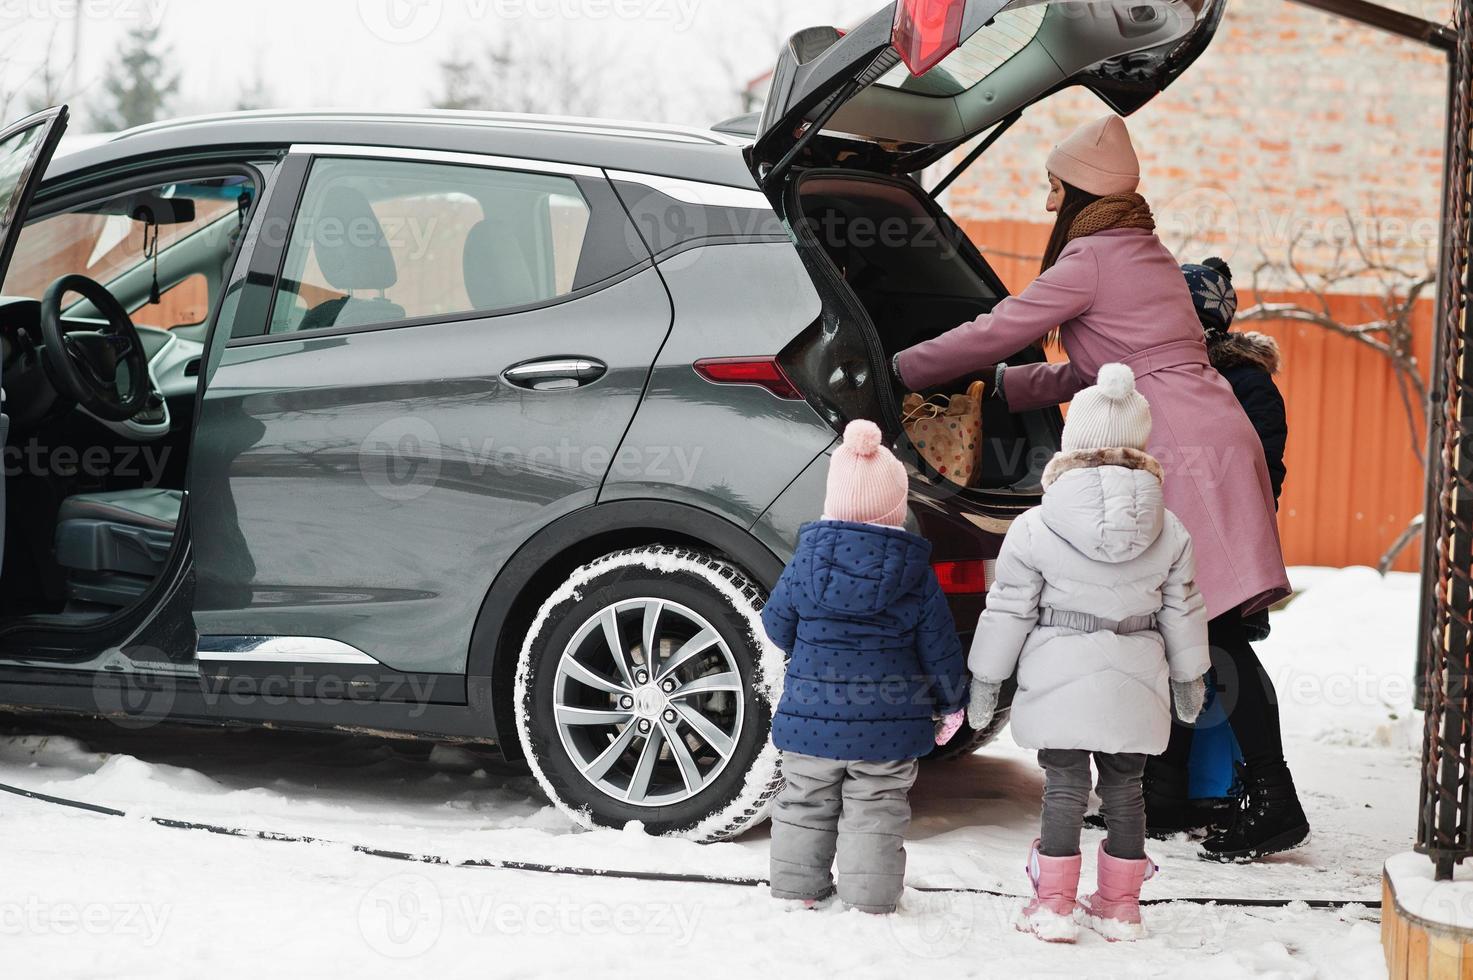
(496, 429)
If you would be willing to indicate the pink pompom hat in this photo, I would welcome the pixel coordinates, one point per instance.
(866, 482)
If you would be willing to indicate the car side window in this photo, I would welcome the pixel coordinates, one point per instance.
(377, 241)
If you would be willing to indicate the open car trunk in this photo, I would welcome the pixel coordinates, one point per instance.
(852, 115)
(900, 272)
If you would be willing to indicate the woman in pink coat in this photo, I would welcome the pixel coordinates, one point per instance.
(1110, 291)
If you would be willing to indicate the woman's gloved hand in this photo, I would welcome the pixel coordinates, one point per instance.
(948, 725)
(1189, 697)
(983, 704)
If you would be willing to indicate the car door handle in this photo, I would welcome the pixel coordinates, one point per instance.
(555, 373)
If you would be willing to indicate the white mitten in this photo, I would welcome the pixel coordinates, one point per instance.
(983, 704)
(1189, 696)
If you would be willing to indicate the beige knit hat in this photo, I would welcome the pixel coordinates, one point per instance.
(866, 482)
(1098, 158)
(1109, 415)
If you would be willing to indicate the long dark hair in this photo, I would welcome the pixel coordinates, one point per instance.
(1075, 201)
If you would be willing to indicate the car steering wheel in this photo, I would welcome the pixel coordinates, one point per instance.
(83, 364)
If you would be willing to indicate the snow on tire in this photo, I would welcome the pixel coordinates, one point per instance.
(644, 692)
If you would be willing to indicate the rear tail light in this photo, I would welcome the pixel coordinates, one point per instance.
(926, 31)
(761, 371)
(968, 577)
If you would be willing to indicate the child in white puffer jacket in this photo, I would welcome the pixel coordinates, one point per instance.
(1093, 602)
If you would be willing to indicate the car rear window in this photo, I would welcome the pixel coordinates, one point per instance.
(985, 52)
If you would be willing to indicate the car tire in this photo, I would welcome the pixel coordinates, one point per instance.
(604, 736)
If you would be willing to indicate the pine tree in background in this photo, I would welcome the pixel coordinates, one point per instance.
(460, 87)
(256, 92)
(137, 89)
(534, 72)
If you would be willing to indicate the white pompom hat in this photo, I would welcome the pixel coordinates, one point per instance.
(1111, 414)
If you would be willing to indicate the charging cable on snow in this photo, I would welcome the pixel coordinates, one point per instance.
(572, 871)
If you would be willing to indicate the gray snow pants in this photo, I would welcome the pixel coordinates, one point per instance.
(859, 810)
(1066, 794)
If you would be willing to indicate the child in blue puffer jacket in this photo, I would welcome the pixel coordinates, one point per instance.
(874, 659)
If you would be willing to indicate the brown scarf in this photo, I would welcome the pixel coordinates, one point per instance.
(1113, 211)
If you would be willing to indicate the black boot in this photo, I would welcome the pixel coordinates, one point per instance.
(1270, 820)
(1169, 809)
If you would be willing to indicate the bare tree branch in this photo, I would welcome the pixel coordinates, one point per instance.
(1388, 326)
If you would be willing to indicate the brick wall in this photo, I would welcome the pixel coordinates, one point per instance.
(1291, 123)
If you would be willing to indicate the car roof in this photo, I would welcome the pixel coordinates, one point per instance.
(657, 148)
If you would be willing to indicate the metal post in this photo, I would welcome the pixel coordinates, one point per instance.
(1433, 526)
(1445, 817)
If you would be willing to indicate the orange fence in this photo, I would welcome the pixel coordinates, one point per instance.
(1354, 480)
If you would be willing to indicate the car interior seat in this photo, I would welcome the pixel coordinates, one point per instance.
(353, 254)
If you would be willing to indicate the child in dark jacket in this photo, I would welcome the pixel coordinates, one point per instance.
(873, 660)
(1248, 361)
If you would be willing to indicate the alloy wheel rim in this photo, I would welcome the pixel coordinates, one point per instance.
(648, 702)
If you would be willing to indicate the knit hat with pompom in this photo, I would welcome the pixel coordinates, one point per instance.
(1213, 295)
(866, 482)
(1110, 415)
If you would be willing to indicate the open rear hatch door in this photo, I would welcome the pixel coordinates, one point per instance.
(920, 77)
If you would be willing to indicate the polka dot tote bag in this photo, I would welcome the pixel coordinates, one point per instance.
(947, 432)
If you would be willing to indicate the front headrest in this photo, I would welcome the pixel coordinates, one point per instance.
(349, 242)
(497, 275)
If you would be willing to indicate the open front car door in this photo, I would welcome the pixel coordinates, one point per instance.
(25, 150)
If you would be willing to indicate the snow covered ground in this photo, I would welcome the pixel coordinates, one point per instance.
(85, 895)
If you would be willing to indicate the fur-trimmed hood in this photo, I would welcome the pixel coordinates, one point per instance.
(1081, 459)
(1248, 349)
(1107, 503)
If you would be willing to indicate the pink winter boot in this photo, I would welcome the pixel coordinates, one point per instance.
(1114, 910)
(1050, 916)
